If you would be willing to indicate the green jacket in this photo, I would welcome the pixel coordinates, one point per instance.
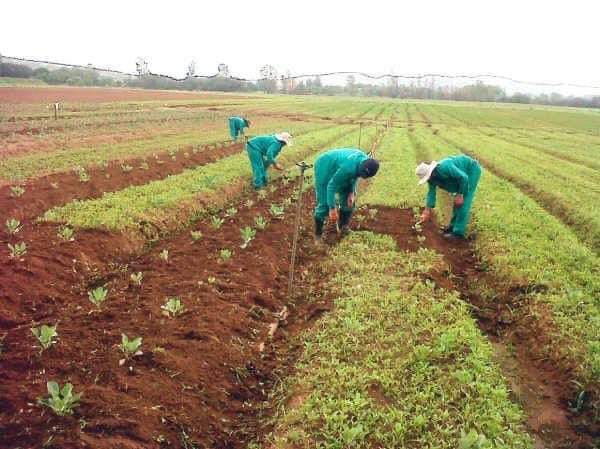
(338, 171)
(268, 146)
(452, 175)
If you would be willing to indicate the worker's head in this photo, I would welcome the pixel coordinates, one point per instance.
(247, 122)
(284, 137)
(424, 171)
(368, 168)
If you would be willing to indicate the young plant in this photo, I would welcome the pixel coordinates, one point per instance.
(46, 335)
(373, 213)
(196, 235)
(16, 191)
(262, 194)
(248, 235)
(173, 307)
(231, 212)
(13, 226)
(82, 174)
(136, 278)
(66, 233)
(225, 254)
(249, 203)
(98, 295)
(126, 168)
(144, 166)
(216, 222)
(260, 222)
(62, 402)
(276, 211)
(130, 347)
(164, 255)
(17, 250)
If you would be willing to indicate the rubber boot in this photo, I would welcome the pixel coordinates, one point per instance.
(344, 222)
(319, 231)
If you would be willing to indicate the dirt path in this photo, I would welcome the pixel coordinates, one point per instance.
(545, 393)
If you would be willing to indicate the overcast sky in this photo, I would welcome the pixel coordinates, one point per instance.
(555, 41)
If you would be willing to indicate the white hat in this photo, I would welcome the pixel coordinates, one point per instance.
(284, 137)
(424, 171)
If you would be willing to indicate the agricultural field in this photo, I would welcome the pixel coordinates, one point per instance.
(144, 297)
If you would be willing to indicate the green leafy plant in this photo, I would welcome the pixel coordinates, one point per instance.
(225, 254)
(262, 194)
(130, 347)
(136, 278)
(248, 235)
(126, 168)
(66, 233)
(276, 210)
(164, 255)
(216, 221)
(373, 213)
(17, 250)
(231, 212)
(260, 222)
(211, 280)
(61, 401)
(82, 174)
(144, 165)
(16, 191)
(13, 226)
(46, 335)
(98, 295)
(196, 235)
(173, 307)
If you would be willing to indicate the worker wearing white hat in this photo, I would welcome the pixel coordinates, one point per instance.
(262, 152)
(458, 175)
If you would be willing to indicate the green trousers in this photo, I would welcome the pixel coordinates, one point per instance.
(322, 209)
(259, 168)
(461, 215)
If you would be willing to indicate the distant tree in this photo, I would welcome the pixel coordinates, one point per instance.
(191, 69)
(268, 81)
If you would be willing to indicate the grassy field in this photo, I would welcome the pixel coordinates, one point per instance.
(119, 210)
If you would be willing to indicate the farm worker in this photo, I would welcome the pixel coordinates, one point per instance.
(237, 125)
(262, 151)
(455, 174)
(336, 174)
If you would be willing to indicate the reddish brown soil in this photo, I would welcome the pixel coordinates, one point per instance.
(544, 390)
(14, 95)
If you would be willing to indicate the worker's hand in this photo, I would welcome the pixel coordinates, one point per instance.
(333, 215)
(351, 198)
(426, 215)
(459, 200)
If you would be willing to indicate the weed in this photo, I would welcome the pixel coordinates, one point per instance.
(46, 335)
(173, 307)
(98, 295)
(13, 226)
(61, 401)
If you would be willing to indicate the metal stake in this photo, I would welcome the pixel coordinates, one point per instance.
(303, 167)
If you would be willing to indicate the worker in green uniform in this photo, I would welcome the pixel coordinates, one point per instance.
(237, 125)
(262, 152)
(455, 174)
(336, 174)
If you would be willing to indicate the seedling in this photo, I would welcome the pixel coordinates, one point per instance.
(260, 222)
(126, 168)
(98, 295)
(164, 255)
(231, 212)
(276, 211)
(130, 347)
(62, 402)
(248, 235)
(249, 203)
(216, 222)
(262, 194)
(373, 213)
(46, 335)
(17, 250)
(136, 278)
(225, 254)
(13, 226)
(16, 191)
(82, 174)
(211, 280)
(287, 201)
(66, 233)
(173, 307)
(272, 189)
(144, 166)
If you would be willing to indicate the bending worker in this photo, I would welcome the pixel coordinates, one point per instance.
(237, 125)
(336, 173)
(262, 151)
(455, 174)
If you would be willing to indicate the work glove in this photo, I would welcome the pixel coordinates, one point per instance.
(459, 200)
(426, 215)
(351, 199)
(333, 215)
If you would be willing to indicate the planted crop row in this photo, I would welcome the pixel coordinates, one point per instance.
(19, 168)
(169, 201)
(522, 241)
(399, 364)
